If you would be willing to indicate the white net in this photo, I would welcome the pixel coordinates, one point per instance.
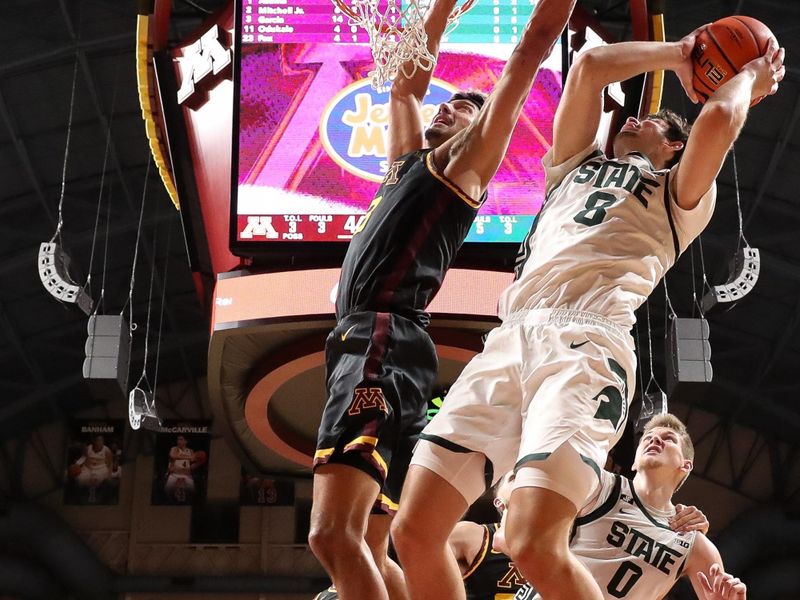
(397, 36)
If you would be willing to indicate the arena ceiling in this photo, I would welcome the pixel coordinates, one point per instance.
(50, 43)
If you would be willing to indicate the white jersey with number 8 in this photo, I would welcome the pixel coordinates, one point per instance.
(609, 231)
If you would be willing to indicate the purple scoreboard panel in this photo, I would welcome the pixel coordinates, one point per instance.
(310, 145)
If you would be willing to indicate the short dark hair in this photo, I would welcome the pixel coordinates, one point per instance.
(678, 129)
(477, 97)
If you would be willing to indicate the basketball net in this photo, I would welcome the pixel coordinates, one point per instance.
(397, 36)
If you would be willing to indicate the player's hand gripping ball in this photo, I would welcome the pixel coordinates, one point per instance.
(722, 48)
(200, 457)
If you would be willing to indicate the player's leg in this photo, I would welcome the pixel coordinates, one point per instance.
(356, 439)
(378, 541)
(541, 512)
(472, 441)
(343, 498)
(429, 509)
(574, 416)
(414, 416)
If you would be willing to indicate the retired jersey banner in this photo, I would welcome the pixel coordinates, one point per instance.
(265, 491)
(180, 463)
(93, 463)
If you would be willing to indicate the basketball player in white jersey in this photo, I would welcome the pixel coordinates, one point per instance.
(96, 463)
(549, 394)
(623, 534)
(180, 482)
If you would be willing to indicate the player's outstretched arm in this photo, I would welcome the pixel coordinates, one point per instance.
(406, 127)
(471, 158)
(707, 574)
(719, 124)
(579, 111)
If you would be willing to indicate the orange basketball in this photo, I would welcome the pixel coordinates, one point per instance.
(723, 48)
(200, 457)
(74, 470)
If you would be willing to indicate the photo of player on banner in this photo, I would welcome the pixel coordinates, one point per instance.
(180, 464)
(93, 463)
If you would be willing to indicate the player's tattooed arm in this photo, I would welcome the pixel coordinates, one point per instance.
(406, 127)
(471, 158)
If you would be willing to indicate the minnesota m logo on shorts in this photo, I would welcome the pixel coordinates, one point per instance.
(367, 398)
(512, 579)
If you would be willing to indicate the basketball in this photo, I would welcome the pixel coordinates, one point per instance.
(74, 470)
(723, 48)
(200, 457)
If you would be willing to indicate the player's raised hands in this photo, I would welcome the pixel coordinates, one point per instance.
(688, 518)
(719, 585)
(768, 70)
(685, 69)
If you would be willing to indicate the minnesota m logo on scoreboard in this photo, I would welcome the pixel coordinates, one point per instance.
(205, 56)
(367, 398)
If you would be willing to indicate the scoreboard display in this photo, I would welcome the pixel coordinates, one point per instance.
(310, 131)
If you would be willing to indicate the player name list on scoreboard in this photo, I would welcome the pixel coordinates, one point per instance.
(303, 21)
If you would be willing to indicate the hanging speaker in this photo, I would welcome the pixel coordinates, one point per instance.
(744, 268)
(688, 353)
(54, 273)
(107, 354)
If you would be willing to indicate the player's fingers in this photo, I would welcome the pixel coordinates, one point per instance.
(716, 580)
(687, 523)
(772, 48)
(683, 512)
(739, 591)
(777, 60)
(774, 88)
(704, 581)
(688, 87)
(679, 518)
(726, 583)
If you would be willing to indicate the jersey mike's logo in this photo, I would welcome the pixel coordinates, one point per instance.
(355, 124)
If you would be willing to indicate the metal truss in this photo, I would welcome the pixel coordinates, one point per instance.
(734, 457)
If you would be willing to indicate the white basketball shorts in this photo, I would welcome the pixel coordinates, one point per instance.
(545, 377)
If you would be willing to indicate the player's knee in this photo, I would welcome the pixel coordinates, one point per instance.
(409, 538)
(328, 541)
(539, 555)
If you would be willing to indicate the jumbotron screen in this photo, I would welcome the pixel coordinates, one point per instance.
(310, 146)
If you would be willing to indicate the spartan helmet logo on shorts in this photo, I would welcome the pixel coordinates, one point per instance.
(367, 398)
